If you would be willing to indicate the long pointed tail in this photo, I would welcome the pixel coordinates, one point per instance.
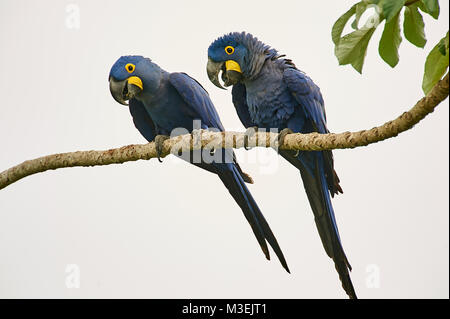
(233, 180)
(311, 168)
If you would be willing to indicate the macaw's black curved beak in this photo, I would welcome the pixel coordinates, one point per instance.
(231, 77)
(213, 69)
(231, 72)
(125, 90)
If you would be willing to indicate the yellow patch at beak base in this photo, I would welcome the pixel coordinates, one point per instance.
(136, 81)
(232, 65)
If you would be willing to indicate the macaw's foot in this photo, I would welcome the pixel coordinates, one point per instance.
(282, 136)
(249, 133)
(159, 141)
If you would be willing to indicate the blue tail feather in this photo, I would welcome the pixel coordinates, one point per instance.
(312, 171)
(233, 180)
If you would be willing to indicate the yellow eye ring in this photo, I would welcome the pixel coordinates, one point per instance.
(130, 67)
(229, 50)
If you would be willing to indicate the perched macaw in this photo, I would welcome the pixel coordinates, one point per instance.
(160, 102)
(270, 92)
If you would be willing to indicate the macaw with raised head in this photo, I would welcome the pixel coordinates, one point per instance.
(270, 92)
(160, 102)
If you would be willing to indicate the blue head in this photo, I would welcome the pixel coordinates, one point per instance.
(133, 75)
(239, 56)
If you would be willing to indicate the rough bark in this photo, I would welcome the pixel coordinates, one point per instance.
(307, 142)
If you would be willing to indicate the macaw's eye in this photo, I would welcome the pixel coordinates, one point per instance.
(229, 50)
(130, 67)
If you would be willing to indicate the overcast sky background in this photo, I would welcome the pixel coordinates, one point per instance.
(151, 230)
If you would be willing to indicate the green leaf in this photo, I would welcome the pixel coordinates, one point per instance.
(352, 48)
(431, 7)
(442, 48)
(390, 41)
(443, 45)
(340, 23)
(435, 67)
(413, 26)
(446, 42)
(360, 8)
(391, 8)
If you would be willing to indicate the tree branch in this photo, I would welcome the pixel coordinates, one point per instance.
(307, 142)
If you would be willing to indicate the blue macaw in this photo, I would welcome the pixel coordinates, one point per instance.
(160, 102)
(270, 92)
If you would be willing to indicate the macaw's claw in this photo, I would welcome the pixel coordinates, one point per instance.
(249, 133)
(282, 136)
(159, 142)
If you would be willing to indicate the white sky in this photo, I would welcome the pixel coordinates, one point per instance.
(170, 230)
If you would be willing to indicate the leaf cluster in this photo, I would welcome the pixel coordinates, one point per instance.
(352, 48)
